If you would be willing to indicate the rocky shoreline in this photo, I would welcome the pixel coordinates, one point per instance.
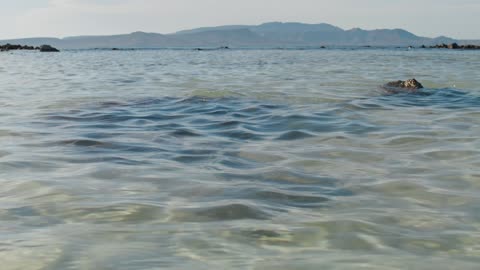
(48, 48)
(11, 47)
(453, 46)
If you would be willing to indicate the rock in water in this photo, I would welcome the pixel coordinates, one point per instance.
(10, 47)
(453, 46)
(411, 84)
(402, 86)
(48, 48)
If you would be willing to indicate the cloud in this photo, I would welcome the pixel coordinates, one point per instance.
(75, 16)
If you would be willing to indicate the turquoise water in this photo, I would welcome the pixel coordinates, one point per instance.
(239, 159)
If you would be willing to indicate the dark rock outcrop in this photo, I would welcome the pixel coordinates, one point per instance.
(48, 48)
(455, 46)
(471, 47)
(212, 49)
(11, 47)
(394, 87)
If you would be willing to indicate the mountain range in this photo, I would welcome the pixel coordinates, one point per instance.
(267, 35)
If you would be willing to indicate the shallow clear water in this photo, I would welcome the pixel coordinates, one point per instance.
(239, 159)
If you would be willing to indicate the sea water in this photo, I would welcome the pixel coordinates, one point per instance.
(239, 159)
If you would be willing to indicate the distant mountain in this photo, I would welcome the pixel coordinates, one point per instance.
(267, 35)
(272, 27)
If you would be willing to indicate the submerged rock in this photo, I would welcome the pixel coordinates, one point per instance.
(48, 48)
(411, 85)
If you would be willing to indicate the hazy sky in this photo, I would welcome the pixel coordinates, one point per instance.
(59, 18)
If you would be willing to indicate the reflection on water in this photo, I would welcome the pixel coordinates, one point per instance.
(239, 159)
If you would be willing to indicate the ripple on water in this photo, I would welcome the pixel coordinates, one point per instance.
(446, 98)
(205, 136)
(114, 125)
(270, 166)
(224, 212)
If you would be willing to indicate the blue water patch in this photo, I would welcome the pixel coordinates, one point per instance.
(201, 120)
(208, 134)
(445, 98)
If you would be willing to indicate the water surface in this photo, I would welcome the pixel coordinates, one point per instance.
(239, 159)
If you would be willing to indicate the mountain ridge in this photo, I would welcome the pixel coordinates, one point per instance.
(266, 35)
